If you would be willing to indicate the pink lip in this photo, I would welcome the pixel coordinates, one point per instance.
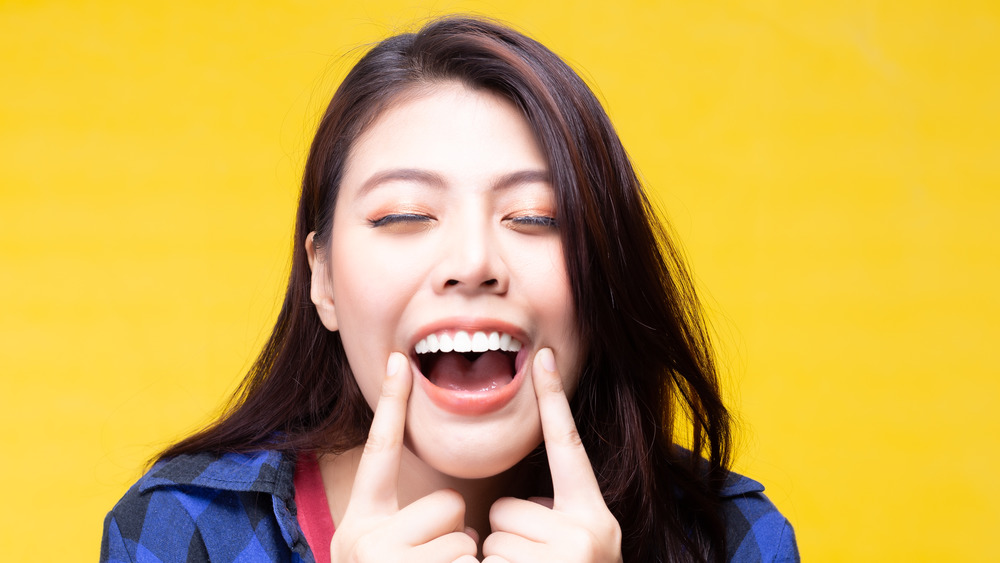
(473, 403)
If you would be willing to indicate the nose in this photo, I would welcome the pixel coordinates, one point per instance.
(471, 262)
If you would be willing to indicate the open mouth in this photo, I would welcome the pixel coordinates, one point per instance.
(460, 361)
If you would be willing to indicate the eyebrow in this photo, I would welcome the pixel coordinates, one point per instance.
(434, 179)
(407, 174)
(521, 177)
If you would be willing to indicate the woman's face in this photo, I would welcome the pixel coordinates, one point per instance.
(445, 247)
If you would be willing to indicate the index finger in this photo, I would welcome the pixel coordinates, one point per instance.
(573, 480)
(376, 480)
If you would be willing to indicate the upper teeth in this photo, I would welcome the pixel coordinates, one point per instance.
(461, 341)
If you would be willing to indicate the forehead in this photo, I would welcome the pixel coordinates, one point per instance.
(450, 129)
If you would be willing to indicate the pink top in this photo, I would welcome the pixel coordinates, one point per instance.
(313, 508)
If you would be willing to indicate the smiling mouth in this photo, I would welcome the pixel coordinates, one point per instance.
(472, 363)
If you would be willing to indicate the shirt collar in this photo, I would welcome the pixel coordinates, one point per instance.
(264, 471)
(737, 485)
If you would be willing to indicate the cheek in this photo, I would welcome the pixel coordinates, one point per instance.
(367, 360)
(372, 287)
(559, 311)
(365, 317)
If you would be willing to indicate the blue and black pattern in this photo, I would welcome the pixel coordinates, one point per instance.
(241, 507)
(234, 507)
(755, 530)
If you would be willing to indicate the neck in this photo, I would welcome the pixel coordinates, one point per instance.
(417, 479)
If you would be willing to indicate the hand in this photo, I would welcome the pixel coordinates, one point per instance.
(576, 524)
(374, 529)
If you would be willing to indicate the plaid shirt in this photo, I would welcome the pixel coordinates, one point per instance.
(234, 507)
(755, 530)
(240, 507)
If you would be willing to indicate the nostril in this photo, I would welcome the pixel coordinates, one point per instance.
(492, 282)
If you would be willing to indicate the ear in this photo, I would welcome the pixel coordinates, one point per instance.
(319, 289)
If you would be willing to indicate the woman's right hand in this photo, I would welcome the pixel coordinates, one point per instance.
(374, 528)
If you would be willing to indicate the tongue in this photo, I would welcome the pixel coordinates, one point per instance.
(453, 371)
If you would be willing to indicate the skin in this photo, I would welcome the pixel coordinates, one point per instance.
(573, 526)
(445, 218)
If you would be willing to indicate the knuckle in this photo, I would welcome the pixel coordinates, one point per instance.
(572, 438)
(552, 384)
(367, 548)
(581, 538)
(450, 504)
(490, 544)
(606, 536)
(377, 444)
(615, 531)
(389, 391)
(453, 508)
(496, 509)
(499, 509)
(466, 543)
(452, 499)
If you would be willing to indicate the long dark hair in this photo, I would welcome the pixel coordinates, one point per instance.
(648, 381)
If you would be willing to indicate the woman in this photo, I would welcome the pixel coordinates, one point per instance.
(476, 268)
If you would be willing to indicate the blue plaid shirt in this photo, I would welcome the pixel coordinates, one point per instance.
(241, 507)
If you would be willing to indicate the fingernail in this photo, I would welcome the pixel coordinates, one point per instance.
(547, 360)
(393, 366)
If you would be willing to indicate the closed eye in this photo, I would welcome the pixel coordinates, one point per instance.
(402, 222)
(533, 223)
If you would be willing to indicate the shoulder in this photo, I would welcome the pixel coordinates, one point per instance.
(755, 529)
(208, 506)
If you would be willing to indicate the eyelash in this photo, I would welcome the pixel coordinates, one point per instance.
(536, 221)
(394, 218)
(529, 221)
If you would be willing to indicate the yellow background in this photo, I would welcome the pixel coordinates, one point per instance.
(830, 167)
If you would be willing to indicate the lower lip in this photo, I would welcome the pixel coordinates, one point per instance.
(473, 403)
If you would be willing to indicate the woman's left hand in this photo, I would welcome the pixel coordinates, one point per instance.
(574, 526)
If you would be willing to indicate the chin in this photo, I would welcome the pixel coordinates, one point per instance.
(475, 457)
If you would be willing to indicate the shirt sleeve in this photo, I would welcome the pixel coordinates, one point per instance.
(112, 545)
(756, 532)
(786, 551)
(194, 524)
(159, 525)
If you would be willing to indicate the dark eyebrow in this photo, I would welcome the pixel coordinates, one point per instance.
(408, 174)
(521, 177)
(435, 180)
